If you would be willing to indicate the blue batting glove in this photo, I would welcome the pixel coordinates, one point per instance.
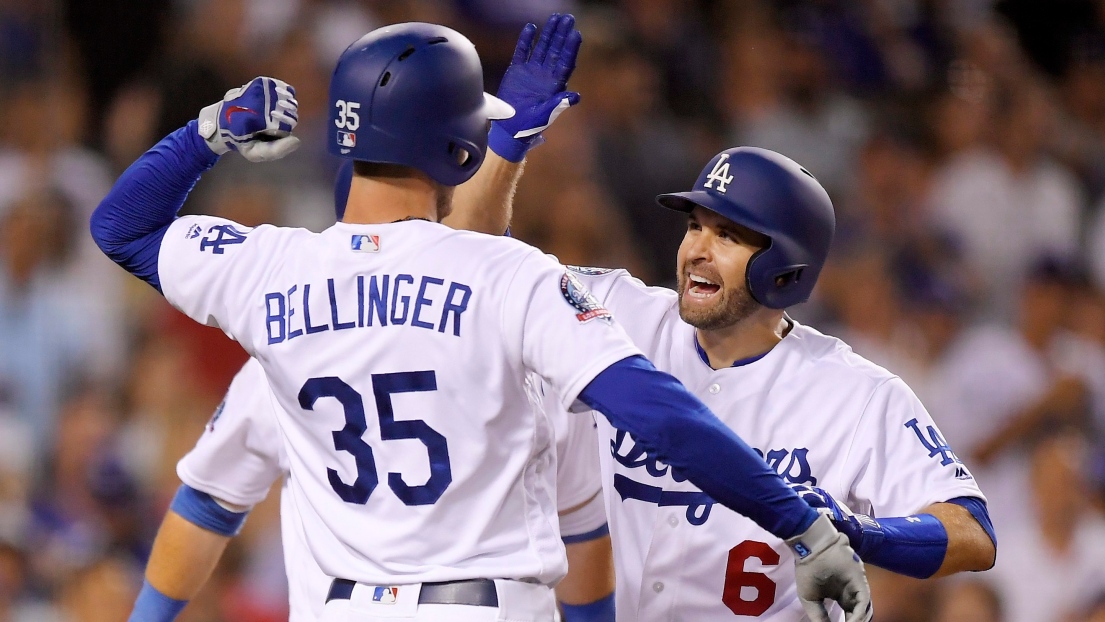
(534, 84)
(255, 119)
(846, 521)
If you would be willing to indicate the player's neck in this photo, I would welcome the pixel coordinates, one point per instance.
(377, 200)
(750, 337)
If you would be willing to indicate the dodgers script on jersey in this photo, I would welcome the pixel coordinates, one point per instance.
(241, 455)
(397, 356)
(817, 412)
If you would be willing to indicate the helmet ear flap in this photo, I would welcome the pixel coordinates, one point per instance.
(774, 286)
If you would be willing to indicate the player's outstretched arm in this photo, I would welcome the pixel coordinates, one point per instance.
(943, 539)
(255, 120)
(534, 85)
(189, 543)
(672, 424)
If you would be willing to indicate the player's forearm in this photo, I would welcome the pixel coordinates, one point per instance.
(671, 423)
(131, 220)
(590, 572)
(183, 557)
(970, 547)
(485, 202)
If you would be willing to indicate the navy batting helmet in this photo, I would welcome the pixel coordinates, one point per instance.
(771, 194)
(412, 94)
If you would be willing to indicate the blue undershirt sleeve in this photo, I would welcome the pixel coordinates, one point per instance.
(131, 221)
(201, 509)
(602, 610)
(674, 425)
(153, 606)
(977, 508)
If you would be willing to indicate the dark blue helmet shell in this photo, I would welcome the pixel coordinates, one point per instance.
(412, 94)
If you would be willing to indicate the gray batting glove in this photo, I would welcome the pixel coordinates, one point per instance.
(255, 119)
(826, 567)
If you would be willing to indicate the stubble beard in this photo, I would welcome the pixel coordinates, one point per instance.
(735, 306)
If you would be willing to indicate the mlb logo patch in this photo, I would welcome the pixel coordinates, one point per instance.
(385, 595)
(365, 243)
(347, 139)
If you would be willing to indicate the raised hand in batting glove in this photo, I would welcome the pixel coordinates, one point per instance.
(826, 567)
(534, 84)
(255, 119)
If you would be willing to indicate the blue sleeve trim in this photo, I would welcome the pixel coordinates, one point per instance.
(200, 509)
(594, 534)
(914, 546)
(676, 428)
(602, 610)
(131, 221)
(977, 508)
(153, 606)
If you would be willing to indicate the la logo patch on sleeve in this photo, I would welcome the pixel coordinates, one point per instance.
(582, 300)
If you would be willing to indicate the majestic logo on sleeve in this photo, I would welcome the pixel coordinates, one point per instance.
(937, 446)
(792, 464)
(582, 300)
(215, 417)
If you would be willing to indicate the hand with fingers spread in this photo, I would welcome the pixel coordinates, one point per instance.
(535, 85)
(255, 119)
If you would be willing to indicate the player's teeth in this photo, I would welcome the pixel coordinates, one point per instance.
(697, 279)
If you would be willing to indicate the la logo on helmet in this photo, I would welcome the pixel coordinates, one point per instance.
(720, 174)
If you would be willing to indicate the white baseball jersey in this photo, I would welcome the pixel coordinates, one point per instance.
(817, 412)
(397, 356)
(241, 455)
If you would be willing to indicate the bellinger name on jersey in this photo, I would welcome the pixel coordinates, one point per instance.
(381, 300)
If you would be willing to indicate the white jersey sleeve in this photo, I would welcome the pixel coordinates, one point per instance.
(241, 452)
(212, 269)
(899, 462)
(567, 337)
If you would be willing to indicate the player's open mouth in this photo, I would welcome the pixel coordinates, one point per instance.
(701, 287)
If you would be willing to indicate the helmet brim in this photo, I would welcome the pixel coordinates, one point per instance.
(496, 108)
(686, 202)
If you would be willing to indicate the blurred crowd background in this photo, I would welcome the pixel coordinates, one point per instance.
(962, 141)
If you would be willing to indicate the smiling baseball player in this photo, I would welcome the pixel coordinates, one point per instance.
(849, 435)
(428, 333)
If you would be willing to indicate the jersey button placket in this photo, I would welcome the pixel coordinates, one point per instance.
(714, 389)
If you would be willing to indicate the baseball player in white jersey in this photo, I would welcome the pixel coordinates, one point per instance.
(443, 327)
(847, 433)
(241, 455)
